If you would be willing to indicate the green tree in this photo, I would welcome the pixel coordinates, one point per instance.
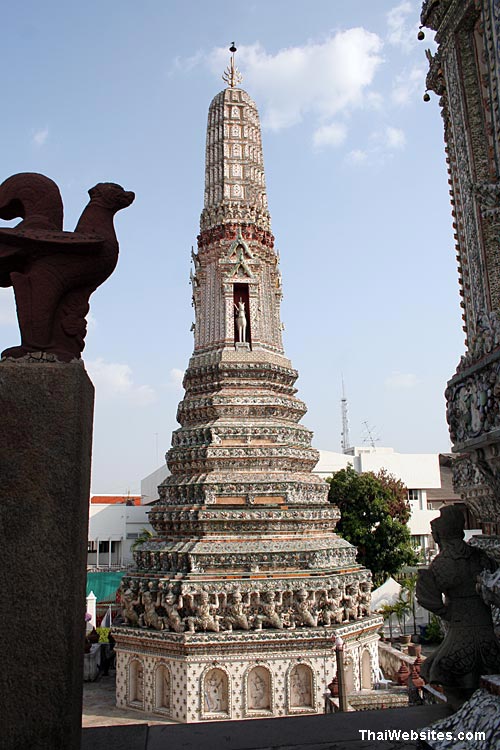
(401, 609)
(144, 536)
(374, 512)
(409, 585)
(387, 611)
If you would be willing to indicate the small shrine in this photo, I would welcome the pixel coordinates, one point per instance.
(234, 607)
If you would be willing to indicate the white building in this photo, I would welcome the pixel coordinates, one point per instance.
(420, 472)
(114, 523)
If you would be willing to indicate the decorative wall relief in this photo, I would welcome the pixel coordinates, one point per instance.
(259, 689)
(301, 686)
(216, 692)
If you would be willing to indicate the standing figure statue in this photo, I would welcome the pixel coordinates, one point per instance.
(330, 607)
(448, 588)
(351, 601)
(172, 604)
(129, 602)
(205, 614)
(241, 321)
(304, 611)
(269, 607)
(236, 612)
(150, 617)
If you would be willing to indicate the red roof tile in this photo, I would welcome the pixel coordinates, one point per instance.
(116, 499)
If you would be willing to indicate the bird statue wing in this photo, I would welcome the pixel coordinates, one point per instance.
(14, 241)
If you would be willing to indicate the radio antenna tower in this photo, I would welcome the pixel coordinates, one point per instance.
(370, 437)
(344, 439)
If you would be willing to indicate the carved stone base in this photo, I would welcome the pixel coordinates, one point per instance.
(239, 675)
(475, 723)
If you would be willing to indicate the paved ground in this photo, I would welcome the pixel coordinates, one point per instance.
(99, 709)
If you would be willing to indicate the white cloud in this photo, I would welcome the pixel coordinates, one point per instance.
(321, 80)
(401, 380)
(187, 63)
(357, 156)
(176, 378)
(40, 137)
(375, 100)
(401, 31)
(394, 138)
(408, 84)
(8, 315)
(114, 380)
(330, 135)
(382, 144)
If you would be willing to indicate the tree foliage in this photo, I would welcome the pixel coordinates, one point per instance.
(145, 536)
(374, 512)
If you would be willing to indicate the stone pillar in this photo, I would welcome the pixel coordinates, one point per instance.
(91, 608)
(46, 412)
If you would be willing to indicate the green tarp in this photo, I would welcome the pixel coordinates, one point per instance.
(104, 585)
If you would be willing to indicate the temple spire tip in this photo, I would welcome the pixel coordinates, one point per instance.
(232, 75)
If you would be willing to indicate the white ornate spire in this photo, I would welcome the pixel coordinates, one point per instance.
(235, 188)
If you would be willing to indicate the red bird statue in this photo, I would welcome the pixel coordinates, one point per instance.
(53, 272)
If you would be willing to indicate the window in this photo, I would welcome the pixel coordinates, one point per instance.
(104, 547)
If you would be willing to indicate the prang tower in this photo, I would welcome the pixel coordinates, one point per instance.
(233, 606)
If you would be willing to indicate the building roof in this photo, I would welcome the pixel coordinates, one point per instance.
(445, 493)
(415, 470)
(115, 499)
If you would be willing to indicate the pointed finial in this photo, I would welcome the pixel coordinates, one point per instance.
(232, 75)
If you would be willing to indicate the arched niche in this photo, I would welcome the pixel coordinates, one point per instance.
(259, 690)
(215, 692)
(163, 688)
(366, 671)
(136, 682)
(349, 675)
(301, 686)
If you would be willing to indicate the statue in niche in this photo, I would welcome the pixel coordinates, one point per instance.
(241, 321)
(216, 691)
(165, 689)
(300, 686)
(258, 689)
(448, 588)
(53, 272)
(139, 683)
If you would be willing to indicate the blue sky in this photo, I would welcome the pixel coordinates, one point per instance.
(357, 188)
